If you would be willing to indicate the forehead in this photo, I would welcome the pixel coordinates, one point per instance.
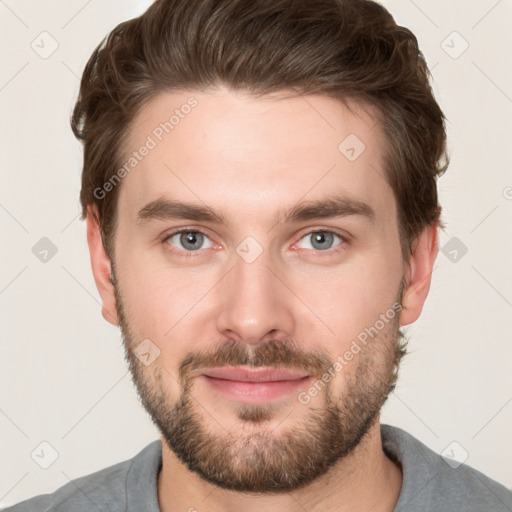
(253, 156)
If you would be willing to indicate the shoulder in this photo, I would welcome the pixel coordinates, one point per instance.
(105, 489)
(431, 482)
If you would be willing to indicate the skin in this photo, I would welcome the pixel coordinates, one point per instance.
(250, 158)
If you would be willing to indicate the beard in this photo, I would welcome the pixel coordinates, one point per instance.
(256, 459)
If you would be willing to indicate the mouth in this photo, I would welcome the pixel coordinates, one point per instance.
(254, 385)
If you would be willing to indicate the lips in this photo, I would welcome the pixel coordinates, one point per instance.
(255, 385)
(254, 375)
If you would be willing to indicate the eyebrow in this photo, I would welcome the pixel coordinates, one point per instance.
(330, 207)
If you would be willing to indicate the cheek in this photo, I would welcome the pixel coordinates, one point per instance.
(350, 297)
(163, 302)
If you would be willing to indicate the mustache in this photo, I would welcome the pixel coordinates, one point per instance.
(283, 354)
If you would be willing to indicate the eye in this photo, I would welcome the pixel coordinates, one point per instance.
(189, 240)
(320, 240)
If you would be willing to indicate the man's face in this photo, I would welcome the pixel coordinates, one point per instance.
(257, 287)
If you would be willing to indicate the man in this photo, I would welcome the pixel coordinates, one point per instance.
(259, 185)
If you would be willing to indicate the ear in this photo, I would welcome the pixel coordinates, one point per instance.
(419, 273)
(100, 263)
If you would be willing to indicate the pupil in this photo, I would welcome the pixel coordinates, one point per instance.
(191, 240)
(322, 239)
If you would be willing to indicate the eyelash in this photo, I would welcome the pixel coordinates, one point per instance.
(193, 254)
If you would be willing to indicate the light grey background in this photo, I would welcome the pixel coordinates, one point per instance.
(63, 379)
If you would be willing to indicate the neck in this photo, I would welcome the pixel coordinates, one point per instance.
(365, 480)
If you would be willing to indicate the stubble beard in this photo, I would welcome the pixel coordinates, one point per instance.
(260, 459)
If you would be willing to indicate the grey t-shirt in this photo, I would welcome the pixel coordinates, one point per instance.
(429, 484)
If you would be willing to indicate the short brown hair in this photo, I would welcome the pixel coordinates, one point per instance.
(346, 49)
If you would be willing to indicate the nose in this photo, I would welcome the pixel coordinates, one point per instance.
(255, 303)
